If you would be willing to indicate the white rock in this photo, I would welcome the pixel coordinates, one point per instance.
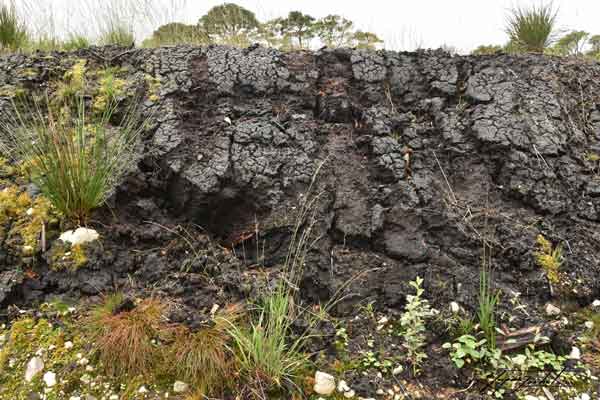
(68, 345)
(50, 378)
(589, 324)
(575, 353)
(34, 367)
(383, 320)
(180, 387)
(349, 394)
(342, 386)
(74, 398)
(79, 236)
(83, 361)
(113, 397)
(454, 307)
(596, 303)
(29, 211)
(380, 392)
(324, 383)
(142, 389)
(584, 396)
(552, 309)
(398, 370)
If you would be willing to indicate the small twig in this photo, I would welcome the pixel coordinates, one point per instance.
(445, 177)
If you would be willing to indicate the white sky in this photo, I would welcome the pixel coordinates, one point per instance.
(402, 24)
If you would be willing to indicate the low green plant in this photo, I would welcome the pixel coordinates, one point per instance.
(13, 33)
(488, 299)
(531, 29)
(77, 161)
(412, 323)
(466, 350)
(372, 359)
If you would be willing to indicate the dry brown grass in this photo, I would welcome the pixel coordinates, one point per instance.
(123, 340)
(201, 357)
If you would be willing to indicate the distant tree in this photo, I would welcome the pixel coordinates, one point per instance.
(487, 49)
(531, 29)
(594, 42)
(229, 24)
(365, 40)
(334, 31)
(177, 33)
(571, 44)
(299, 28)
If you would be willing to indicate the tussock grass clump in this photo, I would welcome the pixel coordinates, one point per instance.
(123, 336)
(532, 29)
(269, 355)
(549, 258)
(76, 159)
(201, 357)
(13, 34)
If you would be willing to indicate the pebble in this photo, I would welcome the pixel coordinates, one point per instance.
(142, 389)
(324, 383)
(398, 370)
(50, 379)
(552, 309)
(342, 386)
(34, 367)
(68, 345)
(180, 387)
(454, 307)
(596, 303)
(589, 324)
(575, 353)
(349, 394)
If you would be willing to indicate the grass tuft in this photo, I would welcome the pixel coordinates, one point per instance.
(124, 340)
(13, 34)
(76, 159)
(532, 29)
(201, 357)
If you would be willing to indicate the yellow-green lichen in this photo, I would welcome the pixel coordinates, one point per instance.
(110, 88)
(549, 258)
(73, 81)
(65, 257)
(153, 87)
(23, 221)
(62, 341)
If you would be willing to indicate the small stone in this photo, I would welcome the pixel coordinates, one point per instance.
(380, 392)
(74, 398)
(342, 386)
(34, 367)
(79, 236)
(383, 320)
(575, 353)
(552, 310)
(142, 389)
(584, 396)
(113, 397)
(68, 345)
(398, 370)
(180, 387)
(454, 307)
(589, 324)
(29, 211)
(83, 361)
(324, 383)
(596, 303)
(50, 378)
(349, 394)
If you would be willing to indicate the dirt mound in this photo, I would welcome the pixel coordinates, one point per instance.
(426, 155)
